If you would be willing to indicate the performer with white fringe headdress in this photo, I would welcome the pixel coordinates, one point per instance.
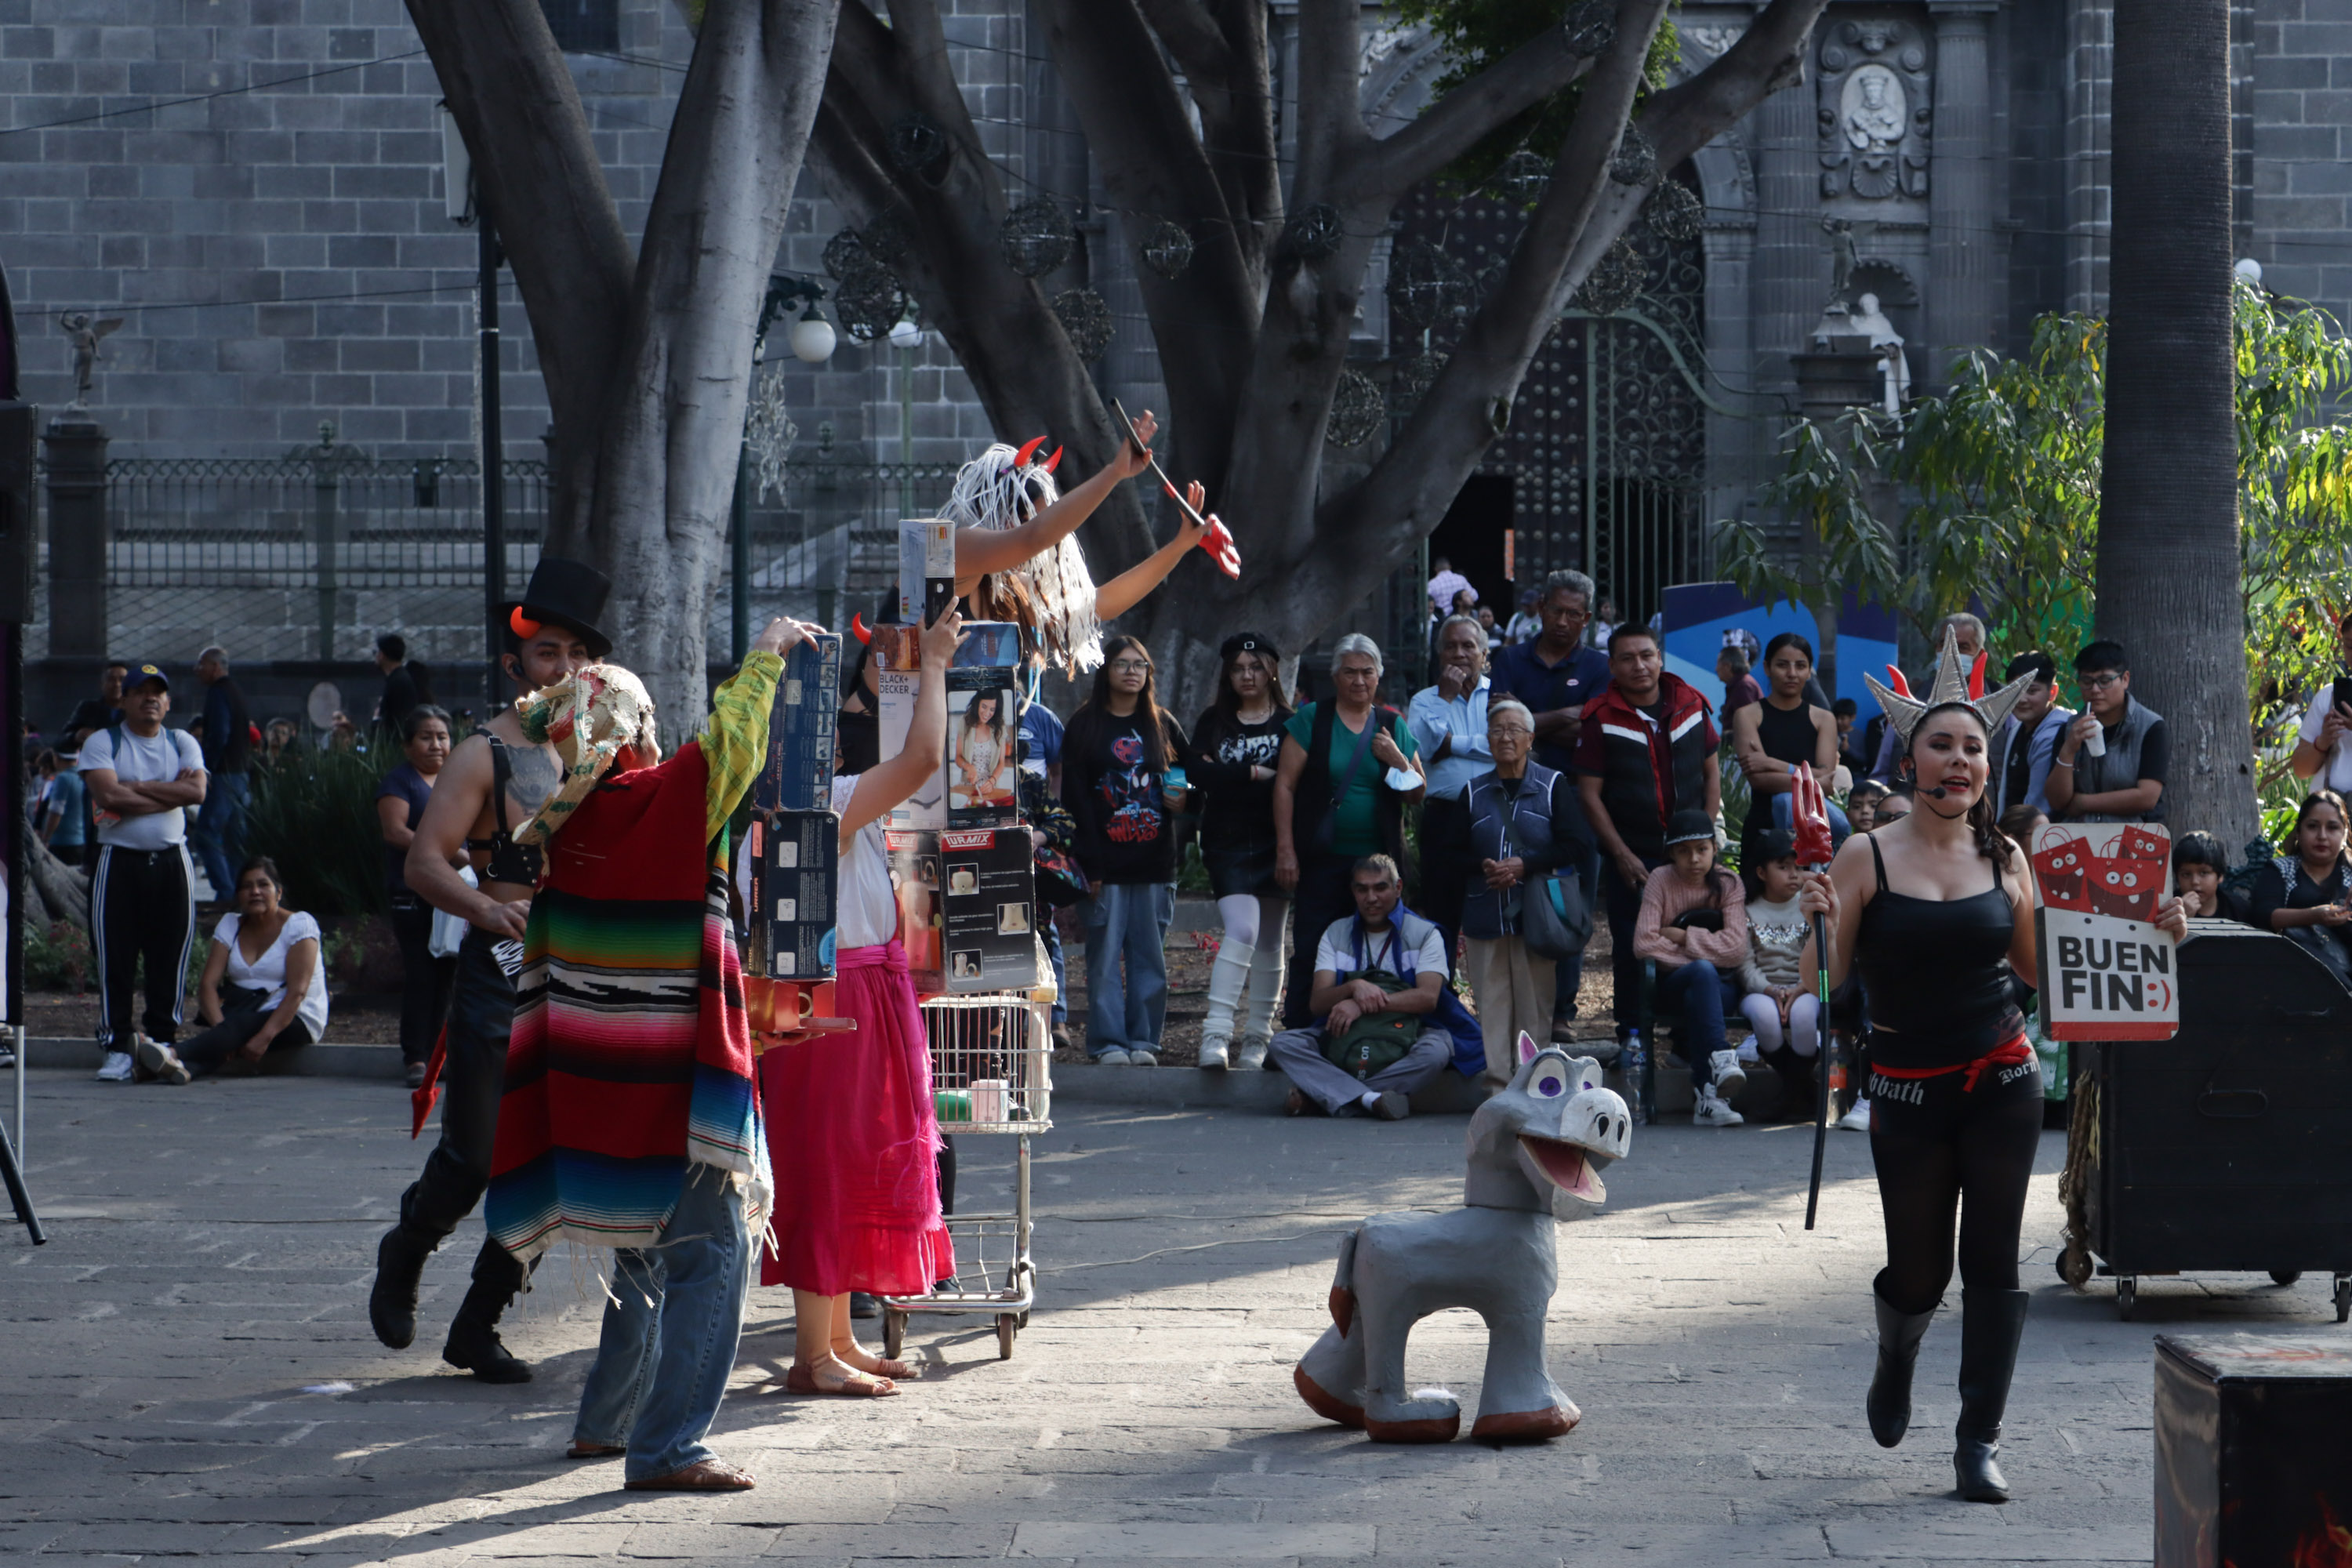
(1936, 912)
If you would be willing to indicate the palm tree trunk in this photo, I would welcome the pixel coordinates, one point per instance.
(2169, 559)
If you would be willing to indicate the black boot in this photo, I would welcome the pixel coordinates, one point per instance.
(399, 1267)
(1889, 1403)
(1991, 1323)
(1799, 1088)
(474, 1341)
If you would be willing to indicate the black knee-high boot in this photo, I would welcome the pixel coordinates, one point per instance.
(474, 1343)
(1992, 1323)
(1799, 1088)
(1889, 1401)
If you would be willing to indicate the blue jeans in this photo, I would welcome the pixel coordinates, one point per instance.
(1051, 929)
(219, 838)
(1126, 921)
(669, 1340)
(1698, 990)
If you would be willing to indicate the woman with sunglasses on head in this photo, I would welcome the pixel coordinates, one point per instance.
(1936, 912)
(1119, 760)
(1235, 745)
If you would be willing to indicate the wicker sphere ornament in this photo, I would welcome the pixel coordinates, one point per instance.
(916, 142)
(890, 240)
(1426, 286)
(1087, 320)
(1168, 249)
(1616, 281)
(1590, 27)
(869, 302)
(1313, 233)
(846, 254)
(1411, 380)
(1674, 211)
(1523, 177)
(1357, 410)
(1037, 237)
(1637, 158)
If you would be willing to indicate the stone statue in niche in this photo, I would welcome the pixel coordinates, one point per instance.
(1875, 110)
(1868, 321)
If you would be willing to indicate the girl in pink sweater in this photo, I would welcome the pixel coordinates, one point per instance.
(1694, 924)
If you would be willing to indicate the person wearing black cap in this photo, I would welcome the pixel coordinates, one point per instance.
(143, 897)
(1231, 762)
(492, 783)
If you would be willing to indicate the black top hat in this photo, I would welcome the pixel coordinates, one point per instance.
(571, 594)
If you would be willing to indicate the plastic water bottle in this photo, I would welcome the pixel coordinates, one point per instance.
(1635, 1059)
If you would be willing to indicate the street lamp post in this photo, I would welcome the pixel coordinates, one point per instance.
(464, 205)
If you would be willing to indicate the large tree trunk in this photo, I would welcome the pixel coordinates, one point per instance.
(2169, 559)
(1253, 335)
(648, 360)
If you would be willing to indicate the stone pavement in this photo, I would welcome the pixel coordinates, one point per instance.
(190, 1372)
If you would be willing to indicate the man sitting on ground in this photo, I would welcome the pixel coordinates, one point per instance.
(1377, 977)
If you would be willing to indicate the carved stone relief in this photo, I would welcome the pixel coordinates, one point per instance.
(1877, 109)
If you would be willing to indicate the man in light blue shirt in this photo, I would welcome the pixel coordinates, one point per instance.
(1448, 722)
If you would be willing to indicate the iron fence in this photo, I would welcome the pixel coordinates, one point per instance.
(309, 556)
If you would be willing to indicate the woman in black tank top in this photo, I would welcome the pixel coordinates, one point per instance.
(1936, 912)
(1772, 737)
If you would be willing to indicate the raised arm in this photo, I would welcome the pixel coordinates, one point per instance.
(883, 785)
(1127, 590)
(980, 550)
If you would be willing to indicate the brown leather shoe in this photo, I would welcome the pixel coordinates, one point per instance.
(704, 1475)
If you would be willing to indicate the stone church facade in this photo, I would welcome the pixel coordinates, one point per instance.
(255, 188)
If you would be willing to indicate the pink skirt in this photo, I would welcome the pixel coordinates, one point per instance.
(854, 1142)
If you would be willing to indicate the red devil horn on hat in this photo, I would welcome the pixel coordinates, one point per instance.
(1894, 678)
(863, 633)
(1028, 451)
(1055, 461)
(1976, 676)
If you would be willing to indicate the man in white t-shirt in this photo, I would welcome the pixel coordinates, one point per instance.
(142, 779)
(2319, 745)
(1378, 937)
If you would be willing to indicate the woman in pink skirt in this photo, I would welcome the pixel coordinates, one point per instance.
(852, 1136)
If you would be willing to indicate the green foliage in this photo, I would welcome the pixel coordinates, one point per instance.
(313, 812)
(1476, 34)
(2004, 473)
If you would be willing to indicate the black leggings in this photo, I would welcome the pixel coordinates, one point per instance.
(1945, 1152)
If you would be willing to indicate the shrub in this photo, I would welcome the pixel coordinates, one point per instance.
(313, 812)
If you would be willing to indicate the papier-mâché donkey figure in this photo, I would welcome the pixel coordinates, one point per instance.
(1551, 1129)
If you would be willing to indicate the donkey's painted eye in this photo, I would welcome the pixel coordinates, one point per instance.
(1548, 1083)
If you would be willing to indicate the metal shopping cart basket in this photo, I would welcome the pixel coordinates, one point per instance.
(992, 1072)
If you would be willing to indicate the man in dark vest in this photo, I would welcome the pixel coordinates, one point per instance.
(1340, 784)
(494, 782)
(2111, 762)
(1646, 750)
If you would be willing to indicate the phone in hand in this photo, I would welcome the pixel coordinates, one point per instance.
(2342, 695)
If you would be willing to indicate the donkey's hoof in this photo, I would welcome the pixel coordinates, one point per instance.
(1433, 1429)
(1327, 1407)
(1525, 1425)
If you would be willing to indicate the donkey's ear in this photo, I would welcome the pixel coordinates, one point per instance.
(1527, 1048)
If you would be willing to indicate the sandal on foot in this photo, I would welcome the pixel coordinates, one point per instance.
(799, 1379)
(702, 1476)
(580, 1450)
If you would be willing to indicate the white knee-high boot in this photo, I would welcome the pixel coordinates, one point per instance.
(1228, 978)
(1264, 996)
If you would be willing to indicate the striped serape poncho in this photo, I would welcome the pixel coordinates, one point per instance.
(631, 1058)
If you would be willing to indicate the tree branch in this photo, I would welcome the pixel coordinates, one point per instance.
(1191, 36)
(1330, 112)
(1462, 117)
(1768, 56)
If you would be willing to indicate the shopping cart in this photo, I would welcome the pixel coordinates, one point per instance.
(992, 1072)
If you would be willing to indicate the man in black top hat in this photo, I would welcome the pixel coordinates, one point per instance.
(491, 784)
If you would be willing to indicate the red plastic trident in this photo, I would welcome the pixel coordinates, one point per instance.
(1812, 815)
(1215, 538)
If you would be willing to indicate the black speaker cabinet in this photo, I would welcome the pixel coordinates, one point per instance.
(2253, 1450)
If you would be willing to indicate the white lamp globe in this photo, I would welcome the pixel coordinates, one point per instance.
(2250, 270)
(905, 335)
(812, 338)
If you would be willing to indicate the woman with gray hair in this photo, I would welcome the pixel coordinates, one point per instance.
(1340, 784)
(1524, 826)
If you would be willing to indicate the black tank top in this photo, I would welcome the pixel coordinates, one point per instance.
(1935, 974)
(1787, 736)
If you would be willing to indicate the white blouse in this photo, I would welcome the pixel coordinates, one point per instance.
(267, 973)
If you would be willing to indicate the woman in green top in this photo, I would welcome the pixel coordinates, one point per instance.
(1347, 769)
